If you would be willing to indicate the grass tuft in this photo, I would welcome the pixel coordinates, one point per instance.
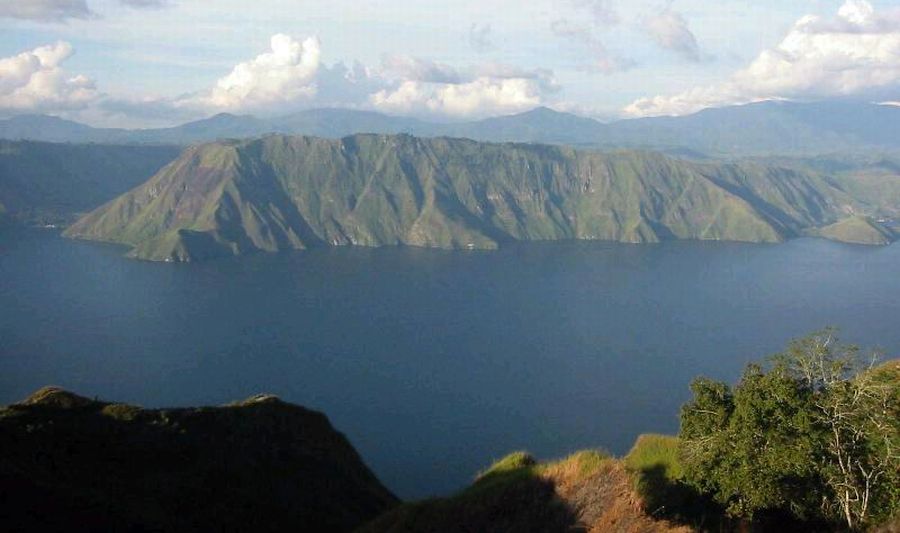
(655, 452)
(513, 461)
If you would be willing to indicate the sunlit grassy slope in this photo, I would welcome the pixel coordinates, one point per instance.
(587, 491)
(281, 192)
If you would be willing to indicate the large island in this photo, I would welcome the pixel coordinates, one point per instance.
(294, 192)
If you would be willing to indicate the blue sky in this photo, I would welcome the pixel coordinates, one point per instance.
(155, 62)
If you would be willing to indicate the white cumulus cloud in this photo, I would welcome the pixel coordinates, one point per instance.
(282, 76)
(418, 69)
(35, 81)
(425, 87)
(291, 77)
(850, 54)
(479, 97)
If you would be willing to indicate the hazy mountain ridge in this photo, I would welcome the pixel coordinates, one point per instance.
(754, 129)
(279, 192)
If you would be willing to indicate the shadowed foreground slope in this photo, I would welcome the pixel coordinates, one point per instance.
(586, 492)
(281, 193)
(69, 463)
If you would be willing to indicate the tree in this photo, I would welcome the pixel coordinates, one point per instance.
(857, 410)
(752, 449)
(813, 434)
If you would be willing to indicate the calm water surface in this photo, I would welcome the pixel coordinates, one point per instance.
(433, 363)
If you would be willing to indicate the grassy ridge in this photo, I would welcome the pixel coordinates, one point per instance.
(586, 491)
(858, 230)
(279, 192)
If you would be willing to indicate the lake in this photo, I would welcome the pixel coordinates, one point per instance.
(433, 363)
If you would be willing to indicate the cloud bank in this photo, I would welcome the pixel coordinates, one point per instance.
(287, 77)
(476, 98)
(45, 10)
(416, 86)
(284, 74)
(292, 76)
(855, 52)
(35, 81)
(58, 11)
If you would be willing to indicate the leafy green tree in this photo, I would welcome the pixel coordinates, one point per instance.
(814, 434)
(760, 455)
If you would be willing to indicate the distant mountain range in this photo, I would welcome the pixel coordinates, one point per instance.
(765, 128)
(293, 192)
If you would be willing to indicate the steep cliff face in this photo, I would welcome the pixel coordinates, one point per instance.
(279, 193)
(74, 464)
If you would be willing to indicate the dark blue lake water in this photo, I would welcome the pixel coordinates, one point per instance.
(433, 363)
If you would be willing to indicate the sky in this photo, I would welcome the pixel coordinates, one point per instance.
(143, 63)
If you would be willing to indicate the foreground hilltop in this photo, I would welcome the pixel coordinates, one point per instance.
(280, 192)
(74, 464)
(588, 492)
(756, 456)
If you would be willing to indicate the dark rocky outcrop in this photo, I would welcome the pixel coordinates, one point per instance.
(75, 464)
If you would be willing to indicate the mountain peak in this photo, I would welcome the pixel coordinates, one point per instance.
(40, 118)
(56, 397)
(543, 111)
(226, 117)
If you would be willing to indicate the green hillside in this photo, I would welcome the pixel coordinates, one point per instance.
(43, 183)
(280, 192)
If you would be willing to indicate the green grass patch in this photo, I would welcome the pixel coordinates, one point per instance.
(655, 452)
(657, 473)
(513, 461)
(582, 464)
(512, 494)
